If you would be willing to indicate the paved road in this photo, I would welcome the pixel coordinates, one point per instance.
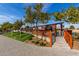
(11, 47)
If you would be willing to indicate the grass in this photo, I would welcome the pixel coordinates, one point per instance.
(16, 35)
(26, 37)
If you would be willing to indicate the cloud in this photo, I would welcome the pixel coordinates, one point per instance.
(46, 7)
(11, 12)
(7, 18)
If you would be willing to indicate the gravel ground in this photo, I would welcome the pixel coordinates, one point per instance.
(11, 47)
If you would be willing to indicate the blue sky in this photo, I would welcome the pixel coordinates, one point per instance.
(13, 11)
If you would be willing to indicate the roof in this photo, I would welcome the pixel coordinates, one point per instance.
(51, 24)
(41, 24)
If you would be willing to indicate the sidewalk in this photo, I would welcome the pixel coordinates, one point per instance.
(11, 47)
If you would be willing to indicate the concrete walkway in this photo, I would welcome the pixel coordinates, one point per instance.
(61, 43)
(11, 47)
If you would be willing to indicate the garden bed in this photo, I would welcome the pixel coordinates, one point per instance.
(76, 44)
(38, 42)
(76, 41)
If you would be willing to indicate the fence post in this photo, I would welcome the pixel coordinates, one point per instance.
(71, 39)
(50, 37)
(71, 42)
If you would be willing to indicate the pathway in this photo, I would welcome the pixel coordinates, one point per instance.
(61, 43)
(11, 47)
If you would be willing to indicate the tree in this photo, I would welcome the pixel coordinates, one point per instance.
(40, 17)
(44, 17)
(72, 15)
(29, 17)
(35, 15)
(6, 26)
(72, 27)
(17, 25)
(58, 16)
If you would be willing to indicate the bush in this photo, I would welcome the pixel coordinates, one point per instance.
(42, 44)
(35, 41)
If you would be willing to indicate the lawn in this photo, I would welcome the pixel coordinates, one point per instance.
(28, 38)
(19, 36)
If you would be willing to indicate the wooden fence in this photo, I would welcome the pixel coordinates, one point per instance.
(41, 32)
(44, 33)
(68, 37)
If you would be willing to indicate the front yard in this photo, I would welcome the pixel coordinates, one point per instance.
(19, 36)
(27, 38)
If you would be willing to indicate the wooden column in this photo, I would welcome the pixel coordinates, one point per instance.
(54, 29)
(50, 37)
(61, 29)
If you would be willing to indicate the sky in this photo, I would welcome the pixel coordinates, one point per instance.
(10, 12)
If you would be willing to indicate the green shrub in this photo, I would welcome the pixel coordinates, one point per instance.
(35, 41)
(42, 44)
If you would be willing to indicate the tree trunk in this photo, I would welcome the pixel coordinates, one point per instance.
(37, 28)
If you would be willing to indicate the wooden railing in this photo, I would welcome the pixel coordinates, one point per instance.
(68, 37)
(40, 32)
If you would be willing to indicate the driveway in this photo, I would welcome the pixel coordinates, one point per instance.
(11, 47)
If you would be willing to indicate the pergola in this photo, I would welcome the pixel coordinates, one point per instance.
(53, 27)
